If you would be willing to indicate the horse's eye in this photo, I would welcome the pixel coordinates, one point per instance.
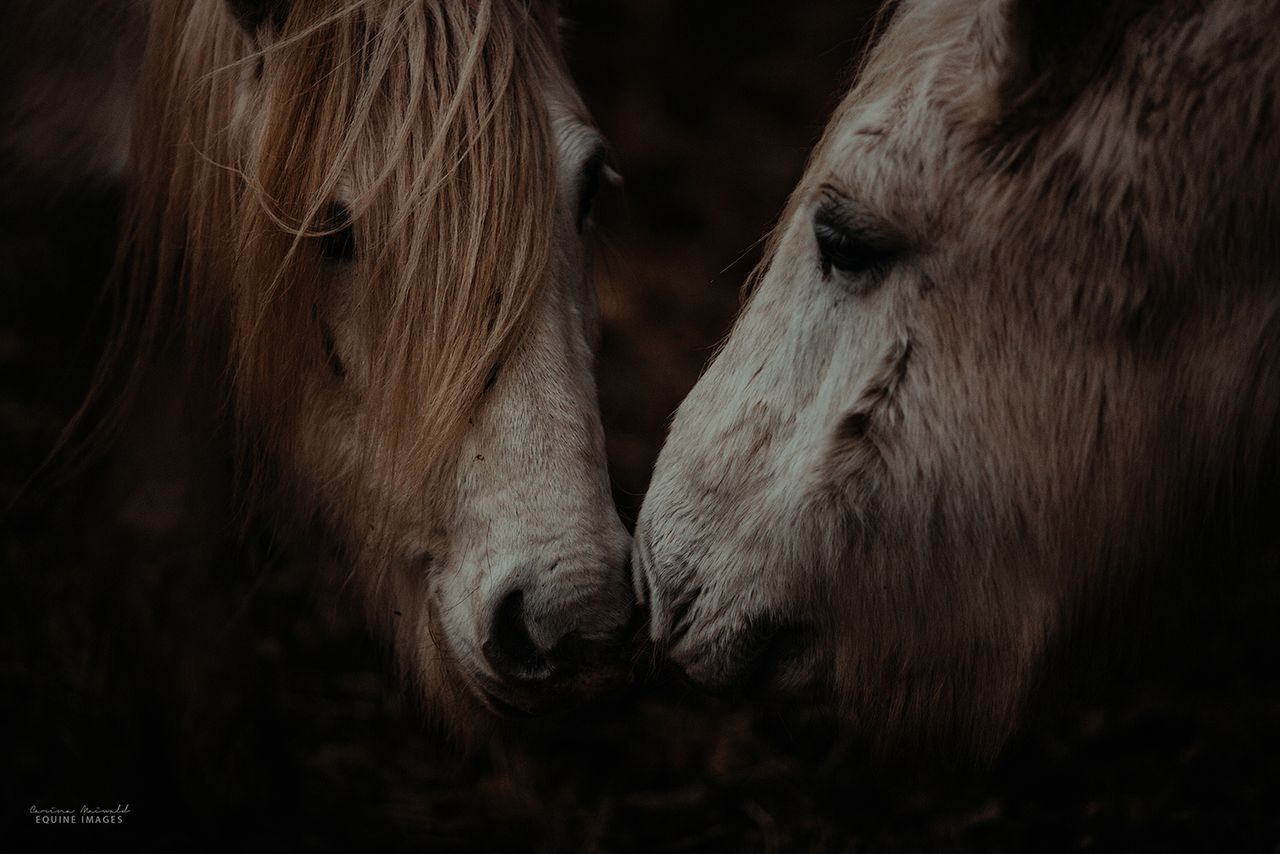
(859, 254)
(589, 186)
(338, 244)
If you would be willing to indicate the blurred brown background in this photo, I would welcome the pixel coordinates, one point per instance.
(243, 700)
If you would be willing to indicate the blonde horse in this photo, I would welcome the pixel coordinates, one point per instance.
(1010, 364)
(364, 225)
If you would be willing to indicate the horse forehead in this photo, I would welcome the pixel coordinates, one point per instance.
(876, 130)
(898, 88)
(867, 121)
(903, 110)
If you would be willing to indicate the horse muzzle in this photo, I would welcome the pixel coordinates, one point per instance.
(722, 647)
(555, 640)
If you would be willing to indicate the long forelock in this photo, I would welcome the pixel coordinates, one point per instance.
(427, 122)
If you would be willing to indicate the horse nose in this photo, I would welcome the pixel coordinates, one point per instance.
(510, 648)
(567, 640)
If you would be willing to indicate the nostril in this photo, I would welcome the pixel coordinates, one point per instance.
(510, 649)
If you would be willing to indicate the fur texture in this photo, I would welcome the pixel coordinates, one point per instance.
(359, 220)
(1056, 385)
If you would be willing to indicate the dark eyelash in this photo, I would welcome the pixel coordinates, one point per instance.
(846, 252)
(855, 249)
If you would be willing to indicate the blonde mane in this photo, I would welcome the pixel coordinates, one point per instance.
(429, 118)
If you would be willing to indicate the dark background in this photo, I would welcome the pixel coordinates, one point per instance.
(231, 696)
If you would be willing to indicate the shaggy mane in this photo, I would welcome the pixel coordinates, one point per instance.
(420, 126)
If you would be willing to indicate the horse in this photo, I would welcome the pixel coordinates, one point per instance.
(357, 243)
(1008, 371)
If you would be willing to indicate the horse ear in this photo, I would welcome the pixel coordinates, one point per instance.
(1040, 54)
(255, 15)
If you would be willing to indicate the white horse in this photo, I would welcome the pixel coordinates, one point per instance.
(1011, 362)
(362, 227)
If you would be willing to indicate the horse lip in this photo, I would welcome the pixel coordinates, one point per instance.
(638, 568)
(760, 660)
(670, 616)
(558, 693)
(506, 707)
(682, 617)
